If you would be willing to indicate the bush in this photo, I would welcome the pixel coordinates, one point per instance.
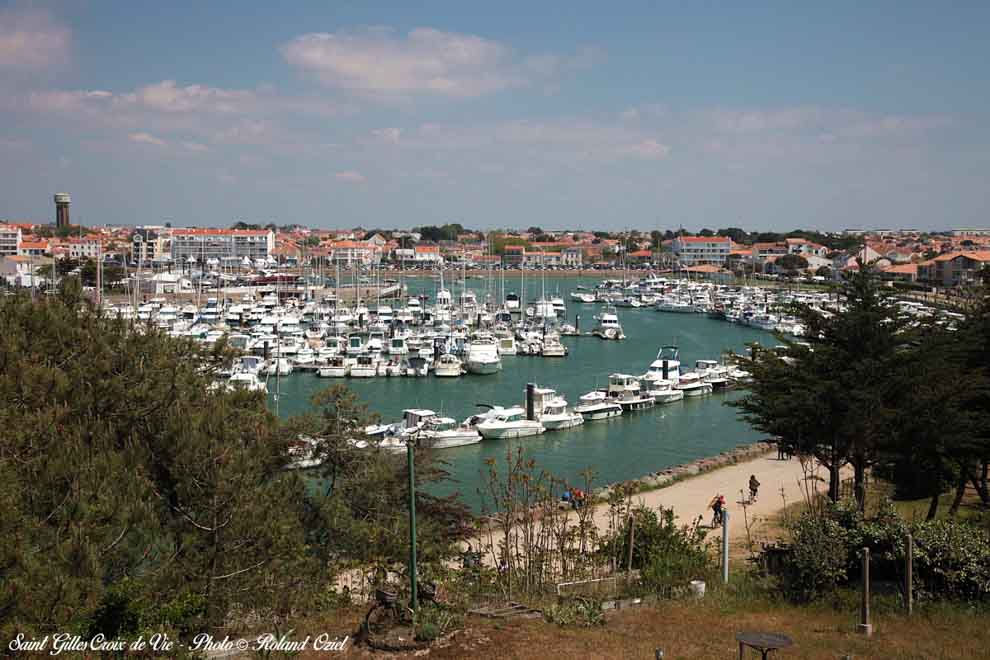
(667, 555)
(818, 558)
(580, 612)
(952, 558)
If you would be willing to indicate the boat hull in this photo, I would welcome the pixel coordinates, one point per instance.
(483, 368)
(448, 441)
(559, 424)
(504, 433)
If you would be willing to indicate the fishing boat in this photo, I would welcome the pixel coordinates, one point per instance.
(608, 326)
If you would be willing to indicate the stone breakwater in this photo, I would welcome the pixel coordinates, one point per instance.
(673, 474)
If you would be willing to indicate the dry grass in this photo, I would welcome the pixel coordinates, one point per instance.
(707, 629)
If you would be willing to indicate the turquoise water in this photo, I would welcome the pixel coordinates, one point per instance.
(621, 448)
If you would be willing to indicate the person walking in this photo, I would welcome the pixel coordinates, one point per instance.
(754, 487)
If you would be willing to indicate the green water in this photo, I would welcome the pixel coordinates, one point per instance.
(621, 448)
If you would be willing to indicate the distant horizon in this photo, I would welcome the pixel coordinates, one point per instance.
(758, 115)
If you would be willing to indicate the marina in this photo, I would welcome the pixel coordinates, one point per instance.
(473, 365)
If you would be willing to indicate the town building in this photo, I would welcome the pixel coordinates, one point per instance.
(87, 247)
(971, 231)
(700, 250)
(150, 243)
(958, 268)
(10, 239)
(420, 255)
(33, 248)
(350, 253)
(205, 244)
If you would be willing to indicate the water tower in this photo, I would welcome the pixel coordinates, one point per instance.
(62, 201)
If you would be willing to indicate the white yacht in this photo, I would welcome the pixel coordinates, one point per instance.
(692, 385)
(510, 423)
(397, 346)
(713, 373)
(512, 301)
(552, 346)
(481, 356)
(597, 405)
(507, 345)
(447, 365)
(665, 367)
(675, 305)
(551, 410)
(365, 367)
(279, 366)
(248, 381)
(626, 391)
(663, 391)
(608, 326)
(586, 297)
(336, 367)
(444, 432)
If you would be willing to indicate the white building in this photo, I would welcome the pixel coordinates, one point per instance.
(150, 243)
(205, 244)
(10, 239)
(572, 257)
(84, 248)
(349, 253)
(698, 250)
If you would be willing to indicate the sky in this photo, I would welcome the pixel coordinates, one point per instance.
(577, 115)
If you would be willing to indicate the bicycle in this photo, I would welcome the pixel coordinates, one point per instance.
(386, 613)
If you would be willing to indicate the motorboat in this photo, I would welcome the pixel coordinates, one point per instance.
(626, 391)
(664, 391)
(512, 301)
(279, 367)
(447, 365)
(365, 367)
(552, 346)
(713, 373)
(692, 384)
(665, 367)
(507, 345)
(247, 381)
(583, 297)
(397, 346)
(482, 354)
(608, 326)
(550, 409)
(444, 432)
(336, 367)
(597, 405)
(415, 366)
(510, 423)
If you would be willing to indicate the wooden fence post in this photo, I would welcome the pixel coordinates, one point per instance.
(909, 574)
(864, 627)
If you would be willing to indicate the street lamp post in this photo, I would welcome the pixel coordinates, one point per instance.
(410, 455)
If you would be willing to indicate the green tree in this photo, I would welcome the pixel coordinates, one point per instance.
(131, 483)
(834, 395)
(792, 263)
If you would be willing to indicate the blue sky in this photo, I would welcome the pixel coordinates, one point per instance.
(564, 115)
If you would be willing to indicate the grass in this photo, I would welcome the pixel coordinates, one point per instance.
(707, 628)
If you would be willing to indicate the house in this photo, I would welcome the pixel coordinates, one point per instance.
(959, 268)
(37, 248)
(21, 270)
(205, 244)
(900, 273)
(88, 247)
(699, 250)
(640, 257)
(420, 255)
(349, 253)
(844, 261)
(572, 257)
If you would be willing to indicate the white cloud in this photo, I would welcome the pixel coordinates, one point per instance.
(350, 176)
(428, 61)
(389, 135)
(195, 147)
(32, 40)
(649, 149)
(166, 96)
(146, 138)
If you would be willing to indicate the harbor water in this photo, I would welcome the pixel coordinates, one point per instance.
(625, 447)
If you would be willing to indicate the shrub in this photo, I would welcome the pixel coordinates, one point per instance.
(818, 558)
(952, 559)
(579, 612)
(667, 554)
